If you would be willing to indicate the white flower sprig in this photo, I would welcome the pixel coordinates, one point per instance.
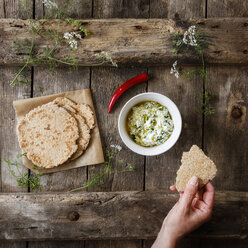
(106, 58)
(174, 70)
(117, 147)
(70, 37)
(49, 4)
(189, 37)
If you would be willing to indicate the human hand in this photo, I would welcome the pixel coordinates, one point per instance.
(193, 208)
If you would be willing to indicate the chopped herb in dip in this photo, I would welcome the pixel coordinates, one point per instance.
(149, 124)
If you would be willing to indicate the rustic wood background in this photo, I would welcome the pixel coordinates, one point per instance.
(222, 137)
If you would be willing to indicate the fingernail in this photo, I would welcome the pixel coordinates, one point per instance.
(193, 181)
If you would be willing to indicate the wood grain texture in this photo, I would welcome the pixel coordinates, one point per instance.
(107, 215)
(69, 8)
(113, 78)
(226, 131)
(56, 244)
(8, 141)
(19, 9)
(2, 6)
(227, 8)
(104, 83)
(177, 9)
(161, 170)
(223, 8)
(12, 244)
(137, 41)
(121, 9)
(64, 79)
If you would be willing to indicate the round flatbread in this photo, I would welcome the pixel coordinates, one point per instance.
(48, 134)
(84, 131)
(84, 136)
(85, 111)
(82, 108)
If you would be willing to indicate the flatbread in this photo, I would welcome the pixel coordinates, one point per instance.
(48, 134)
(85, 111)
(195, 163)
(82, 108)
(84, 131)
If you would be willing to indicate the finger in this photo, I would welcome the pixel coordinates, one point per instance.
(190, 192)
(199, 194)
(204, 208)
(208, 195)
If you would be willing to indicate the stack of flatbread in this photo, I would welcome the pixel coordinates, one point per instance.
(56, 132)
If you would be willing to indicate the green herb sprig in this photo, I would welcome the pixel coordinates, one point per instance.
(23, 179)
(193, 38)
(98, 179)
(29, 48)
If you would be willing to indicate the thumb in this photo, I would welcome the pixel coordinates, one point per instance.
(189, 192)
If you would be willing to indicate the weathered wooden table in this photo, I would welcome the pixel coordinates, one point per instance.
(223, 136)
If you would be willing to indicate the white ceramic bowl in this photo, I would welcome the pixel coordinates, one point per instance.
(175, 114)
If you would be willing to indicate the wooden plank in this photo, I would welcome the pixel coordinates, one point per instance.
(137, 41)
(2, 6)
(121, 9)
(177, 9)
(111, 79)
(226, 131)
(231, 8)
(103, 80)
(225, 74)
(69, 8)
(161, 170)
(57, 244)
(8, 141)
(64, 79)
(107, 215)
(19, 8)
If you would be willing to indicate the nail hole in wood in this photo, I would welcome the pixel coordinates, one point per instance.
(246, 24)
(201, 23)
(73, 216)
(138, 27)
(215, 26)
(217, 52)
(236, 112)
(245, 52)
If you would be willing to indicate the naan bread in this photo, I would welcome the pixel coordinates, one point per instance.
(84, 131)
(48, 134)
(82, 108)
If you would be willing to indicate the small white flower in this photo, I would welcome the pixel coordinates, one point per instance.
(106, 57)
(71, 38)
(174, 70)
(49, 4)
(117, 147)
(189, 37)
(68, 36)
(73, 44)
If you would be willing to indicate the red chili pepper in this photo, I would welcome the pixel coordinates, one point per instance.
(128, 84)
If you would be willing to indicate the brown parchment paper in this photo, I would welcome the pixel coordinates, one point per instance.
(94, 152)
